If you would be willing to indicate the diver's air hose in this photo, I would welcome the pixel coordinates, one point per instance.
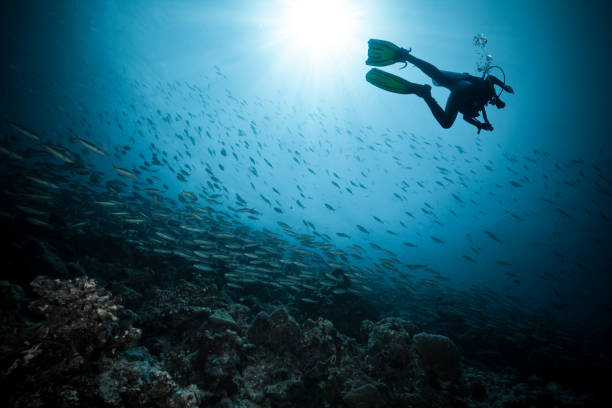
(486, 73)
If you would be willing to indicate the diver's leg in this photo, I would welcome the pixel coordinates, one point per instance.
(446, 117)
(428, 69)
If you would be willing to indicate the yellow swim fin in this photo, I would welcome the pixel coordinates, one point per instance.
(382, 53)
(393, 83)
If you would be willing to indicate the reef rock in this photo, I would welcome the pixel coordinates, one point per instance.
(366, 396)
(278, 330)
(220, 316)
(439, 355)
(389, 354)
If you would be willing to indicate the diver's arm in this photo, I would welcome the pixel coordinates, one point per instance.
(473, 121)
(484, 116)
(486, 125)
(479, 125)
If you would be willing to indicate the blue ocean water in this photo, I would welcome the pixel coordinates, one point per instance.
(153, 117)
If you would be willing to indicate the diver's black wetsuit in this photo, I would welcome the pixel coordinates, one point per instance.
(469, 94)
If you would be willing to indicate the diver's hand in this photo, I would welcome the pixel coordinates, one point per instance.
(509, 89)
(484, 126)
(487, 126)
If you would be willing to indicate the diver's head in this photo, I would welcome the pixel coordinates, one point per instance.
(493, 95)
(497, 102)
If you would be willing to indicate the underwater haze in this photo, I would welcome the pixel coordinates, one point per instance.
(213, 165)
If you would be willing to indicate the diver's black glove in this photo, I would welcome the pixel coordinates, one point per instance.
(487, 126)
(509, 89)
(484, 126)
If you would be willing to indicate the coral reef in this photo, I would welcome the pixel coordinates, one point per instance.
(76, 357)
(76, 345)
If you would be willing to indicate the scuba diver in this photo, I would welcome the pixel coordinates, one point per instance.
(469, 94)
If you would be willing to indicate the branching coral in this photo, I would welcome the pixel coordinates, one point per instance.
(81, 315)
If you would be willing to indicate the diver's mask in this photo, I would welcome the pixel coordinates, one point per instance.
(497, 102)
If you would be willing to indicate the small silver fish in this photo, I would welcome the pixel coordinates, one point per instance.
(126, 173)
(91, 147)
(24, 131)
